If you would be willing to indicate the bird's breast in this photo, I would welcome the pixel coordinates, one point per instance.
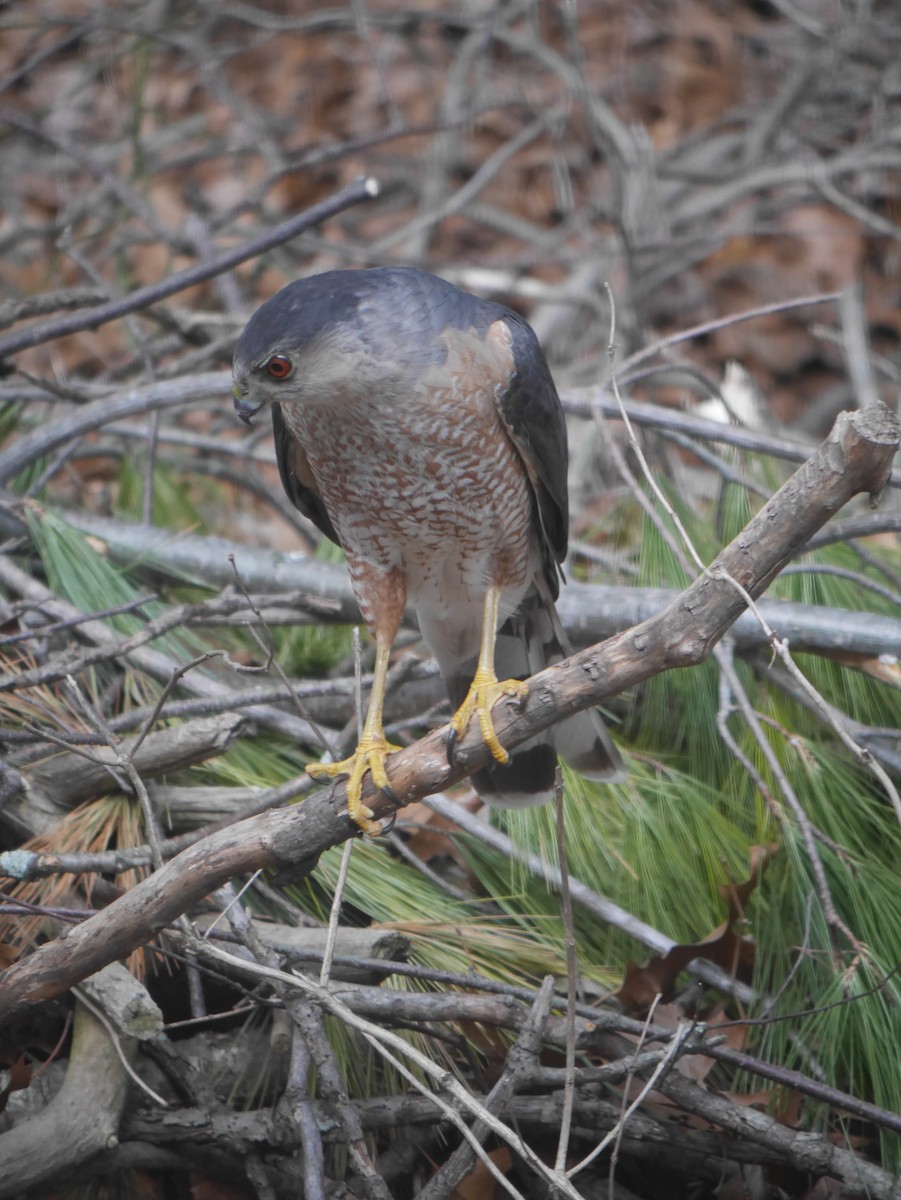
(426, 480)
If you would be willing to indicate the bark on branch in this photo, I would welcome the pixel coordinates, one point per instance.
(856, 457)
(70, 1131)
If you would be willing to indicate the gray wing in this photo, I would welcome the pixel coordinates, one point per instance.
(296, 478)
(532, 413)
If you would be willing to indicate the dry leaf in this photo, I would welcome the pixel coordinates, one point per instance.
(480, 1184)
(723, 946)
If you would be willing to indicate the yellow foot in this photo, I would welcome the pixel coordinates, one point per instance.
(369, 756)
(484, 692)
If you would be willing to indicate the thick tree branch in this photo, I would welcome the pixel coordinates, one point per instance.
(855, 458)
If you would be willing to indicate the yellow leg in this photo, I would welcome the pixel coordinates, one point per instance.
(369, 755)
(485, 689)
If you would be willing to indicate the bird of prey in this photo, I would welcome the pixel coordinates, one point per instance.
(419, 427)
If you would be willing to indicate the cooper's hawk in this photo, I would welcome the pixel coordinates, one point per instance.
(419, 427)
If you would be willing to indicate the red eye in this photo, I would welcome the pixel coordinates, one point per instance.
(279, 367)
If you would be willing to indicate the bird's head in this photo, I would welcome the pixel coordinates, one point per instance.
(352, 333)
(276, 351)
(310, 341)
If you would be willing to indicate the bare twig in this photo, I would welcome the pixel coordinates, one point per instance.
(34, 335)
(394, 1049)
(572, 975)
(522, 1056)
(165, 393)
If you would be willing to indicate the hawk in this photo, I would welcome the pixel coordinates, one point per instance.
(418, 426)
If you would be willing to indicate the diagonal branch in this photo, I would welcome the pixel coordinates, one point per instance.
(855, 458)
(90, 318)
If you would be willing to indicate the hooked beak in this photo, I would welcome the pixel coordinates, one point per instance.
(245, 405)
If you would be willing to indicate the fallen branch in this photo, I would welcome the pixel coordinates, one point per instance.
(144, 658)
(305, 590)
(178, 281)
(694, 1151)
(154, 397)
(69, 1130)
(71, 778)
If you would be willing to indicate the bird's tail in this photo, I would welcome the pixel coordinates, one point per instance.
(528, 641)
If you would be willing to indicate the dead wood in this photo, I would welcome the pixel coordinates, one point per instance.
(70, 1130)
(289, 589)
(142, 298)
(70, 779)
